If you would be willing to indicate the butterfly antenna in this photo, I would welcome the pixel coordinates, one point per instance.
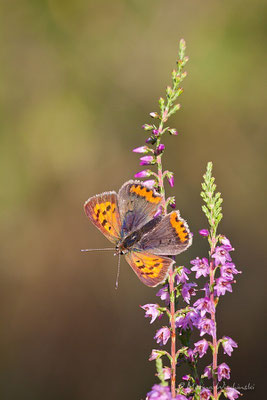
(106, 248)
(118, 273)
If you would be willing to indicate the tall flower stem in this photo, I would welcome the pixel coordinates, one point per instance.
(156, 131)
(213, 317)
(173, 332)
(171, 284)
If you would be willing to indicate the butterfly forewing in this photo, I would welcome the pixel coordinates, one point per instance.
(171, 236)
(103, 211)
(151, 269)
(138, 204)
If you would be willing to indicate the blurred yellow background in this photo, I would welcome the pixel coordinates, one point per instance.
(78, 80)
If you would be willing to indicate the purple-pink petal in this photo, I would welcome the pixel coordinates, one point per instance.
(200, 266)
(141, 149)
(228, 345)
(188, 291)
(205, 394)
(204, 232)
(206, 325)
(143, 174)
(152, 311)
(162, 335)
(231, 393)
(201, 347)
(159, 392)
(222, 286)
(164, 295)
(223, 371)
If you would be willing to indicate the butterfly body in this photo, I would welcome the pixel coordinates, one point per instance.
(128, 220)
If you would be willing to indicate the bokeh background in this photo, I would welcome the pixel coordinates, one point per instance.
(78, 80)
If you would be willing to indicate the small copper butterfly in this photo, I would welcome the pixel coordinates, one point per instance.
(128, 220)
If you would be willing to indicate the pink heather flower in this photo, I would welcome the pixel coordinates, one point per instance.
(228, 270)
(226, 243)
(154, 355)
(205, 394)
(186, 377)
(160, 148)
(188, 291)
(187, 391)
(164, 295)
(171, 180)
(228, 344)
(231, 393)
(200, 266)
(147, 160)
(173, 132)
(141, 149)
(207, 372)
(204, 232)
(155, 132)
(173, 203)
(154, 115)
(181, 276)
(187, 321)
(206, 326)
(166, 373)
(204, 305)
(143, 174)
(151, 311)
(191, 355)
(223, 371)
(222, 286)
(159, 392)
(150, 183)
(162, 335)
(180, 397)
(201, 347)
(158, 212)
(221, 255)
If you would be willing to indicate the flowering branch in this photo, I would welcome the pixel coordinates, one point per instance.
(218, 270)
(167, 108)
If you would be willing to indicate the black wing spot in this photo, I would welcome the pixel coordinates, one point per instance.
(104, 212)
(104, 222)
(108, 207)
(109, 228)
(157, 265)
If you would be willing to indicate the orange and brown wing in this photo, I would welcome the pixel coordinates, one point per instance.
(138, 205)
(171, 236)
(150, 269)
(103, 211)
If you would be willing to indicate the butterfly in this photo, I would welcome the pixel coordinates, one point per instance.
(129, 220)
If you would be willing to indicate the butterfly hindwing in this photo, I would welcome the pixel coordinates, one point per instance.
(151, 269)
(171, 236)
(103, 211)
(138, 204)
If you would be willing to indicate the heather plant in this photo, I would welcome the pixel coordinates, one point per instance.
(186, 305)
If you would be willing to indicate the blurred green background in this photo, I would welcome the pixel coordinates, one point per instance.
(78, 79)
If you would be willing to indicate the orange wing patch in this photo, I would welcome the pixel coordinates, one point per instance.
(149, 268)
(179, 227)
(146, 193)
(103, 212)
